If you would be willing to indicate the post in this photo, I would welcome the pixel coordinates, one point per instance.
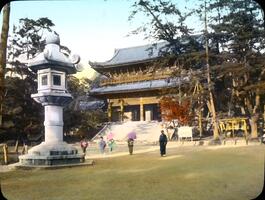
(141, 109)
(245, 130)
(122, 109)
(5, 148)
(109, 111)
(16, 146)
(233, 128)
(200, 123)
(264, 118)
(3, 56)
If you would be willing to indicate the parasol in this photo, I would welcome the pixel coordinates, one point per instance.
(132, 135)
(110, 136)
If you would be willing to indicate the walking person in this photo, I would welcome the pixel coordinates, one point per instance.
(25, 144)
(84, 145)
(130, 145)
(163, 143)
(131, 137)
(102, 145)
(111, 144)
(263, 139)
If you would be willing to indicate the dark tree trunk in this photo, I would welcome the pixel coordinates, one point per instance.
(3, 47)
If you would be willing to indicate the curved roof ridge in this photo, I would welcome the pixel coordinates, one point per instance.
(96, 64)
(123, 56)
(140, 46)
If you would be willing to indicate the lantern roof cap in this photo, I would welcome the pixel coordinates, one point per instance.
(52, 38)
(52, 57)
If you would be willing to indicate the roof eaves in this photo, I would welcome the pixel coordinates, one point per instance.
(100, 92)
(53, 64)
(102, 67)
(131, 91)
(99, 64)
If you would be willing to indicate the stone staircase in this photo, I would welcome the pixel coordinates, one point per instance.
(146, 131)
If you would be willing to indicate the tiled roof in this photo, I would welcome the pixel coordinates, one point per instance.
(140, 54)
(132, 55)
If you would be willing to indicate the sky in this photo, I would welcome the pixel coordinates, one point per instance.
(90, 28)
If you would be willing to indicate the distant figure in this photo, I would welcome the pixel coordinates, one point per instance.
(25, 144)
(162, 143)
(130, 145)
(175, 135)
(84, 145)
(263, 139)
(131, 137)
(111, 144)
(102, 145)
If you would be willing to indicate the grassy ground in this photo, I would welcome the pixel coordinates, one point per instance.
(186, 173)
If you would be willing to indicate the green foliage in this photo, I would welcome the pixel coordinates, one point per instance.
(239, 32)
(238, 27)
(81, 122)
(166, 22)
(236, 46)
(27, 37)
(22, 115)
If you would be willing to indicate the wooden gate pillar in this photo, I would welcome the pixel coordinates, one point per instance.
(110, 111)
(122, 109)
(141, 109)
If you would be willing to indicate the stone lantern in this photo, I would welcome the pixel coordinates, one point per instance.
(52, 68)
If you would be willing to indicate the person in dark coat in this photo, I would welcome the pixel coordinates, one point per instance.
(162, 143)
(25, 142)
(130, 145)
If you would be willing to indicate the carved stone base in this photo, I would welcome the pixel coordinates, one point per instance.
(52, 154)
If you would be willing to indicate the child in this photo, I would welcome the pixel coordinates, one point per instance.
(84, 145)
(102, 145)
(111, 144)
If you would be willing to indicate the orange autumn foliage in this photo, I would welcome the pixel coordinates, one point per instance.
(171, 110)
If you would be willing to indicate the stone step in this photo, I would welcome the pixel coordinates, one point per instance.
(145, 131)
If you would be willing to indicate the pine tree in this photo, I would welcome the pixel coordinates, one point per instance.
(240, 35)
(234, 53)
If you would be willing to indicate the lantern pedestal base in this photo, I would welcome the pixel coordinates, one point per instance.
(56, 153)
